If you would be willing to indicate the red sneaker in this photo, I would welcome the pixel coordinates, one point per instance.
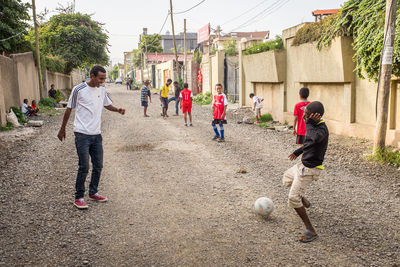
(98, 197)
(80, 203)
(257, 122)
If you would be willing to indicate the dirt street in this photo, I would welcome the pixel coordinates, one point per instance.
(176, 197)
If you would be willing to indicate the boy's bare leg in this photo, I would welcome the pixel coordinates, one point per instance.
(185, 117)
(145, 110)
(190, 117)
(303, 215)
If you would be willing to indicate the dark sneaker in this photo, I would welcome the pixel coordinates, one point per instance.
(185, 124)
(190, 124)
(81, 203)
(215, 137)
(98, 197)
(222, 140)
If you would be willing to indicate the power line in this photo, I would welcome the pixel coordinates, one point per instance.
(187, 10)
(269, 10)
(273, 10)
(165, 21)
(244, 13)
(15, 35)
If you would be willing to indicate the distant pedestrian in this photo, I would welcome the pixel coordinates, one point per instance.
(164, 98)
(186, 97)
(257, 106)
(301, 175)
(88, 99)
(128, 83)
(53, 92)
(219, 105)
(299, 126)
(145, 97)
(177, 91)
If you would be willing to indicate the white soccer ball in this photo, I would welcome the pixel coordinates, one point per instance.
(263, 206)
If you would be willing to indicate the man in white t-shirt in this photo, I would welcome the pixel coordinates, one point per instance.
(257, 106)
(88, 99)
(25, 107)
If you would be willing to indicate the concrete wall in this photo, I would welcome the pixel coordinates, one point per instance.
(27, 76)
(19, 80)
(349, 101)
(77, 76)
(9, 92)
(217, 67)
(165, 71)
(60, 81)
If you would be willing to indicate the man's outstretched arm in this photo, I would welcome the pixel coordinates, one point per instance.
(114, 109)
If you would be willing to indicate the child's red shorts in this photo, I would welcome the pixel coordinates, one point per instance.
(186, 108)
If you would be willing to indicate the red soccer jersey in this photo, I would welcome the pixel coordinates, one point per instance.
(186, 96)
(219, 103)
(299, 111)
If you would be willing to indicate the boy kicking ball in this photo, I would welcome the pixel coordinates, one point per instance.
(185, 98)
(301, 175)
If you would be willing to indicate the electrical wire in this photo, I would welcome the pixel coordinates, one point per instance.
(244, 13)
(165, 21)
(269, 10)
(15, 35)
(187, 10)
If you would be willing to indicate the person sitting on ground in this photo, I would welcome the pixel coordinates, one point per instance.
(25, 108)
(164, 98)
(176, 97)
(301, 175)
(52, 92)
(300, 130)
(34, 108)
(257, 106)
(145, 96)
(186, 97)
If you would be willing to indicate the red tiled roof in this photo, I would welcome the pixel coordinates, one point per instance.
(164, 57)
(325, 12)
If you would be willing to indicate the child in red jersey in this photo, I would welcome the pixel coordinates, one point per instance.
(219, 105)
(298, 116)
(185, 98)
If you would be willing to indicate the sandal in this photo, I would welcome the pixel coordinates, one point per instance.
(307, 237)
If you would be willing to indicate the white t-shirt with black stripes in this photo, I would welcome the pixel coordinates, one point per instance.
(88, 102)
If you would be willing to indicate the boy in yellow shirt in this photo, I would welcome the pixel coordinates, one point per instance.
(164, 98)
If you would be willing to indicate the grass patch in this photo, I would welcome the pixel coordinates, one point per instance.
(45, 109)
(9, 126)
(264, 118)
(203, 99)
(55, 113)
(388, 156)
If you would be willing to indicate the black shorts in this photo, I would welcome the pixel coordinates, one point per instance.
(300, 139)
(217, 121)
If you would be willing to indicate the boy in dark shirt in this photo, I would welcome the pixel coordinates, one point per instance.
(301, 175)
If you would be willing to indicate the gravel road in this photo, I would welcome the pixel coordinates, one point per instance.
(176, 197)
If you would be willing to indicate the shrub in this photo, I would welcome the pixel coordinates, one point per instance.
(203, 99)
(263, 47)
(265, 118)
(387, 156)
(230, 47)
(9, 126)
(55, 64)
(21, 116)
(47, 102)
(312, 32)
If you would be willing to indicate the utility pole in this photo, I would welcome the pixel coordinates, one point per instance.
(173, 38)
(385, 78)
(184, 53)
(41, 87)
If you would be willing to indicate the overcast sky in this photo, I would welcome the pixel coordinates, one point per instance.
(125, 19)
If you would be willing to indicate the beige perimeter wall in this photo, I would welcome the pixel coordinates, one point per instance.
(349, 101)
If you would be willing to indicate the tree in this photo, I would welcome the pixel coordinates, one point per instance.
(230, 47)
(136, 58)
(114, 72)
(364, 20)
(13, 25)
(150, 44)
(75, 38)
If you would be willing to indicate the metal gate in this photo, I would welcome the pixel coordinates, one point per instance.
(231, 71)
